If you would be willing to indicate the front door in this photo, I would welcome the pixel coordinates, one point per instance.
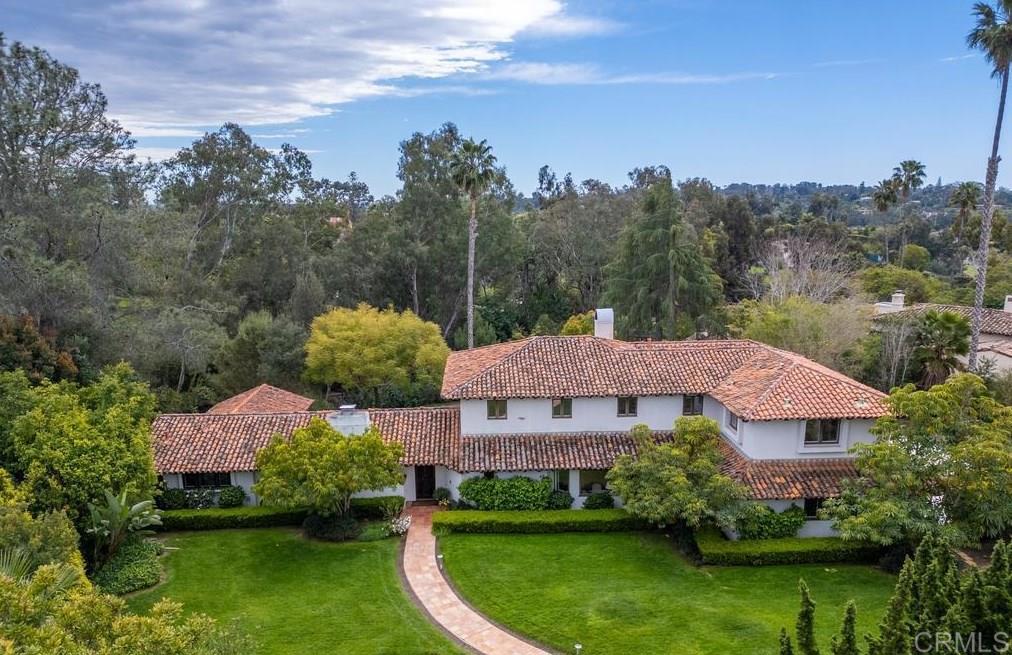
(425, 482)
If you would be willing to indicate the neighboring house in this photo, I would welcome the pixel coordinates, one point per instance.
(263, 399)
(562, 407)
(995, 325)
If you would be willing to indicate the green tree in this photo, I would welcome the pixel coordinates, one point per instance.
(894, 629)
(845, 642)
(942, 337)
(579, 324)
(321, 469)
(266, 349)
(364, 350)
(993, 36)
(914, 257)
(964, 198)
(805, 628)
(659, 282)
(882, 281)
(886, 194)
(23, 347)
(473, 169)
(114, 520)
(678, 481)
(909, 175)
(785, 643)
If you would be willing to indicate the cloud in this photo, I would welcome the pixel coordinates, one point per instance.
(178, 67)
(970, 55)
(584, 74)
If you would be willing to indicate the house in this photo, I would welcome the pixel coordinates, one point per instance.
(995, 326)
(562, 407)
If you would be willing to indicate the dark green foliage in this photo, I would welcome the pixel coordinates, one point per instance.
(599, 500)
(516, 493)
(377, 507)
(895, 628)
(762, 522)
(134, 566)
(845, 643)
(199, 498)
(48, 538)
(441, 495)
(331, 528)
(231, 496)
(566, 520)
(785, 643)
(715, 549)
(805, 628)
(171, 499)
(559, 500)
(238, 517)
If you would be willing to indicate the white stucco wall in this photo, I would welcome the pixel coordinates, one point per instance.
(534, 415)
(399, 490)
(786, 439)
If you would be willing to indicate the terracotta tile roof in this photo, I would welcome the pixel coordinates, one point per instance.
(787, 479)
(263, 399)
(196, 443)
(993, 321)
(998, 347)
(757, 381)
(431, 435)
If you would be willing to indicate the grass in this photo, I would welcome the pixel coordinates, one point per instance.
(619, 593)
(295, 595)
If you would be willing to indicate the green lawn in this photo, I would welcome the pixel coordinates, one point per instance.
(298, 596)
(621, 593)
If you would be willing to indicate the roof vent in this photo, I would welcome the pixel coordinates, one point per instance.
(604, 323)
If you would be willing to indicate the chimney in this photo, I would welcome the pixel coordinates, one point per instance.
(899, 298)
(1008, 304)
(895, 304)
(604, 323)
(348, 420)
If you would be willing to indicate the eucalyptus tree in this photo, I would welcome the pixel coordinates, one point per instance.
(964, 198)
(473, 169)
(992, 35)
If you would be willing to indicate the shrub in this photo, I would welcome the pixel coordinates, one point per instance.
(762, 522)
(442, 495)
(715, 549)
(565, 520)
(499, 494)
(235, 517)
(172, 499)
(377, 507)
(399, 526)
(134, 566)
(559, 500)
(331, 528)
(199, 498)
(231, 496)
(600, 500)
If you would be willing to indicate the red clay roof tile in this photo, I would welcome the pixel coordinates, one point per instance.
(263, 399)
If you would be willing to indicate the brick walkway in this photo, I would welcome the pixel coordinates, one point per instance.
(442, 604)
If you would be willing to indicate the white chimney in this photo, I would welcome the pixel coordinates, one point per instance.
(348, 420)
(899, 298)
(1008, 304)
(604, 323)
(895, 304)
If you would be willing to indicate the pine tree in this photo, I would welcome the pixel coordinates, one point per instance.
(806, 623)
(936, 589)
(785, 643)
(997, 593)
(845, 643)
(894, 636)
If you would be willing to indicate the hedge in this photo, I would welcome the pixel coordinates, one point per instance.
(717, 550)
(263, 516)
(518, 493)
(134, 566)
(564, 520)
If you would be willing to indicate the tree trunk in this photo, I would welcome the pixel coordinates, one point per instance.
(472, 237)
(182, 375)
(414, 286)
(985, 226)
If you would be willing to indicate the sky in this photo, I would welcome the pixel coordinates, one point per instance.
(761, 91)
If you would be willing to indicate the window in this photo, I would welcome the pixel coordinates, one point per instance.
(562, 480)
(732, 421)
(812, 507)
(496, 409)
(627, 406)
(692, 405)
(562, 408)
(592, 481)
(206, 480)
(823, 431)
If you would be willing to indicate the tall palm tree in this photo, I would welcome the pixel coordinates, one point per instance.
(473, 170)
(993, 36)
(886, 194)
(909, 175)
(964, 198)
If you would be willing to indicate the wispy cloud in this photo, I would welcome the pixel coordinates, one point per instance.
(847, 62)
(176, 68)
(969, 55)
(586, 74)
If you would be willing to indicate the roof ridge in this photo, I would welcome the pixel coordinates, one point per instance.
(776, 383)
(822, 369)
(526, 341)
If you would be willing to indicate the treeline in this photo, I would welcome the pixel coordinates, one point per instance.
(205, 271)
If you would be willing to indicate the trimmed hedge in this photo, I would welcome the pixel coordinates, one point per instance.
(530, 522)
(134, 566)
(762, 522)
(518, 493)
(717, 550)
(263, 516)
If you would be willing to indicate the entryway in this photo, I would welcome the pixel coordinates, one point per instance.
(425, 482)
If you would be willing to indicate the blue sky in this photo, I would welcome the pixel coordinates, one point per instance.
(756, 91)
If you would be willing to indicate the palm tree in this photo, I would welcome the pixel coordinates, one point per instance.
(473, 170)
(941, 338)
(964, 198)
(886, 194)
(909, 175)
(993, 36)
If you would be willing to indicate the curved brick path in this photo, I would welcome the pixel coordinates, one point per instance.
(442, 604)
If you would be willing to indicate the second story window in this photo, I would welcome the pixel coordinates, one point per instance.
(692, 405)
(732, 421)
(562, 408)
(627, 406)
(496, 409)
(822, 431)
